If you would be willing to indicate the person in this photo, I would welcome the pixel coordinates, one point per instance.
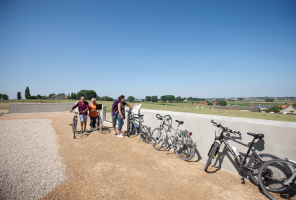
(114, 110)
(93, 114)
(82, 107)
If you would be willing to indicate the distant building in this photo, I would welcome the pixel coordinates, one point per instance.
(288, 100)
(59, 97)
(283, 106)
(202, 103)
(160, 101)
(288, 109)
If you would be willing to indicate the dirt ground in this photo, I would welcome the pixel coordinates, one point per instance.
(102, 166)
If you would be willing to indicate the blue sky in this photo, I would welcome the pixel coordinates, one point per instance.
(149, 47)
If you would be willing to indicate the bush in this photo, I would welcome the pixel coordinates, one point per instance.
(130, 99)
(222, 103)
(5, 97)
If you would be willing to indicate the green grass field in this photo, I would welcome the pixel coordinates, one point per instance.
(176, 107)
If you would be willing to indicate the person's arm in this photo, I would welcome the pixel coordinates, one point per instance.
(87, 107)
(119, 109)
(74, 107)
(129, 105)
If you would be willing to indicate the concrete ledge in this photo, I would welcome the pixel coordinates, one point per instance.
(39, 107)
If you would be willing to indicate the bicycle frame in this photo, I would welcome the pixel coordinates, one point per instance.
(162, 127)
(241, 164)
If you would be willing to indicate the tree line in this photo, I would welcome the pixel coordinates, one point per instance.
(172, 98)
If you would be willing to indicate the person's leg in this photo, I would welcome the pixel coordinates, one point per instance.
(81, 122)
(85, 120)
(114, 123)
(91, 123)
(119, 127)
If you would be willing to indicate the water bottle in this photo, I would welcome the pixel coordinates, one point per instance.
(136, 125)
(169, 134)
(236, 151)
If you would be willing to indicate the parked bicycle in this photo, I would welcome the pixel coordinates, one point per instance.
(255, 161)
(74, 124)
(136, 127)
(182, 142)
(278, 176)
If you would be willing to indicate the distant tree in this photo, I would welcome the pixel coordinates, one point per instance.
(44, 97)
(154, 98)
(291, 111)
(50, 95)
(5, 97)
(105, 98)
(0, 96)
(162, 98)
(61, 94)
(179, 98)
(27, 93)
(294, 105)
(170, 98)
(69, 96)
(222, 103)
(19, 96)
(240, 99)
(38, 96)
(88, 94)
(130, 99)
(33, 97)
(98, 98)
(274, 109)
(148, 98)
(209, 103)
(269, 100)
(190, 99)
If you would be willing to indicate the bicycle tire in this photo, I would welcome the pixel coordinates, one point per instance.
(130, 128)
(188, 153)
(144, 134)
(212, 154)
(256, 164)
(157, 141)
(74, 126)
(271, 171)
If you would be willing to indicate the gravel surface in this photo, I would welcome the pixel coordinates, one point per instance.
(30, 166)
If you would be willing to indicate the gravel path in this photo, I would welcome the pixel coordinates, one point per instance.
(30, 166)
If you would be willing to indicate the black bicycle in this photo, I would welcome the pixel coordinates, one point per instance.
(136, 127)
(255, 161)
(278, 176)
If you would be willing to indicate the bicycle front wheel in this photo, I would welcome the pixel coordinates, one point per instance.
(185, 147)
(272, 176)
(144, 133)
(157, 139)
(74, 126)
(130, 128)
(212, 155)
(255, 164)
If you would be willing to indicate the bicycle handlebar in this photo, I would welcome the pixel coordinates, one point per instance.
(225, 128)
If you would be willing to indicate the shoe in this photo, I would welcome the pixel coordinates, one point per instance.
(90, 130)
(121, 136)
(81, 131)
(115, 133)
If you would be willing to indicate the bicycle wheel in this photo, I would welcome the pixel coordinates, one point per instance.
(273, 174)
(212, 153)
(144, 134)
(157, 140)
(130, 128)
(185, 147)
(254, 163)
(74, 126)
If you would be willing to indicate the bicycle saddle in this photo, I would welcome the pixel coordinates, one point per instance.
(180, 122)
(140, 115)
(260, 136)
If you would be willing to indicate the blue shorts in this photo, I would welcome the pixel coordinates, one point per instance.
(120, 122)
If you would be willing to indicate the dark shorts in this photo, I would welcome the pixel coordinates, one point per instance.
(114, 120)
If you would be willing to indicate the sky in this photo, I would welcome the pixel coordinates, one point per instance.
(141, 48)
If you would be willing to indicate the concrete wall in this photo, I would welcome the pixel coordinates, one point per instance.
(279, 140)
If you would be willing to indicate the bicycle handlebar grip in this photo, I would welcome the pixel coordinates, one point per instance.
(158, 116)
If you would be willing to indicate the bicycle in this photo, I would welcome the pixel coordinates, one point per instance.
(99, 122)
(255, 161)
(182, 142)
(74, 124)
(139, 129)
(278, 176)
